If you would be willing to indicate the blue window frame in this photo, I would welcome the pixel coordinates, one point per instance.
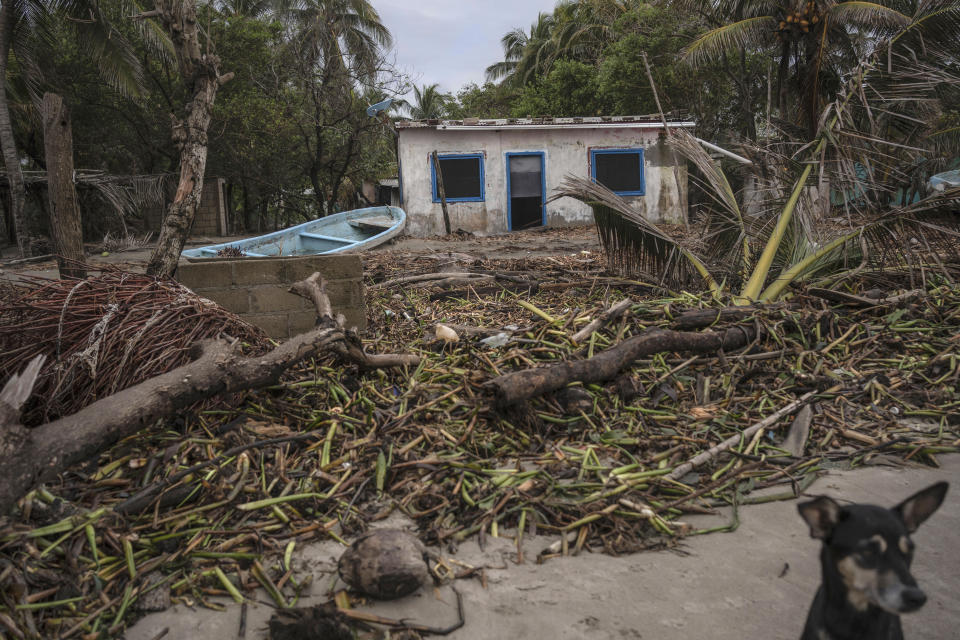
(620, 170)
(462, 177)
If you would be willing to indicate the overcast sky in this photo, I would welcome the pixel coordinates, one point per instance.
(452, 42)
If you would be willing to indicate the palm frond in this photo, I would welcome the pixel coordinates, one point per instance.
(927, 231)
(727, 237)
(632, 243)
(751, 33)
(869, 15)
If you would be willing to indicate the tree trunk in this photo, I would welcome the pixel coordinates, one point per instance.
(520, 386)
(65, 227)
(11, 159)
(201, 73)
(6, 225)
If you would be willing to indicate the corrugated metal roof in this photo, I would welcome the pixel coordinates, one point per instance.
(596, 122)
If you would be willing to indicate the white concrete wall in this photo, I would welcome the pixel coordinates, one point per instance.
(566, 151)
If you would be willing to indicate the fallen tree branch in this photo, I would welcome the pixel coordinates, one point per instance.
(691, 464)
(519, 386)
(45, 451)
(426, 277)
(603, 319)
(702, 318)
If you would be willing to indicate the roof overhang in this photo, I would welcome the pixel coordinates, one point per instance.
(603, 125)
(500, 124)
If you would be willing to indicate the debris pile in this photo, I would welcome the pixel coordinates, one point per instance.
(217, 504)
(103, 334)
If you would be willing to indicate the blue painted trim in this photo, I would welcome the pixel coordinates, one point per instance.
(593, 168)
(456, 156)
(400, 180)
(543, 186)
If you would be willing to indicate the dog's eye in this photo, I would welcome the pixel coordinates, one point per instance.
(867, 555)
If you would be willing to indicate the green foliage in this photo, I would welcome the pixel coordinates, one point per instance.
(585, 59)
(429, 103)
(289, 133)
(571, 88)
(487, 101)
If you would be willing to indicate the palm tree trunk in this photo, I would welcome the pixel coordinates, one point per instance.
(11, 158)
(201, 73)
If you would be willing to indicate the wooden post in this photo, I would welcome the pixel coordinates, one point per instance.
(65, 227)
(441, 192)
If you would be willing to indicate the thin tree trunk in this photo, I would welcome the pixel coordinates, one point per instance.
(231, 212)
(11, 159)
(201, 73)
(248, 220)
(441, 192)
(6, 225)
(65, 226)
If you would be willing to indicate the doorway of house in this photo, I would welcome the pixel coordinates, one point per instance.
(525, 190)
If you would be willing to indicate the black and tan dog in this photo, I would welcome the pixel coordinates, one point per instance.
(866, 559)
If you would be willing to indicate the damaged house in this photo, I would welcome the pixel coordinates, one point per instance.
(498, 174)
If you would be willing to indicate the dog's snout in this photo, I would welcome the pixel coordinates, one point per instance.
(913, 598)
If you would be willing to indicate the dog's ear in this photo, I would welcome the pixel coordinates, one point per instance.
(921, 505)
(822, 514)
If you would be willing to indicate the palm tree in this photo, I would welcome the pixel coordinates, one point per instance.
(15, 19)
(814, 41)
(339, 37)
(247, 8)
(525, 55)
(429, 103)
(337, 47)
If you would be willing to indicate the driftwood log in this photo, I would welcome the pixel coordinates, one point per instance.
(519, 386)
(29, 456)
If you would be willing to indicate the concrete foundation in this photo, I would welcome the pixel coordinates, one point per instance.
(256, 289)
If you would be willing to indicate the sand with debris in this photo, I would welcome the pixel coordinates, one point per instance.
(757, 582)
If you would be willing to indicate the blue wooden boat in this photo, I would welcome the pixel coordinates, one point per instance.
(340, 233)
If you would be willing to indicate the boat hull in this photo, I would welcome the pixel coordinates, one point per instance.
(344, 232)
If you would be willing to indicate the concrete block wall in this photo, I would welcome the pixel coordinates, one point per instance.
(256, 289)
(211, 218)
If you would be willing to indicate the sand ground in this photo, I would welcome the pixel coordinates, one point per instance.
(756, 582)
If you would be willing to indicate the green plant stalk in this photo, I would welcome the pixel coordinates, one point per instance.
(751, 291)
(128, 554)
(232, 590)
(269, 502)
(34, 606)
(782, 281)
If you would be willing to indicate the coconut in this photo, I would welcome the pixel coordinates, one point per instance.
(385, 564)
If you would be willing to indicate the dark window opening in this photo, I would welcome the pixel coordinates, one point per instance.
(619, 170)
(526, 213)
(462, 178)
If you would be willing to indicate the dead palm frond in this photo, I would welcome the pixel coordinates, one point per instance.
(633, 243)
(727, 237)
